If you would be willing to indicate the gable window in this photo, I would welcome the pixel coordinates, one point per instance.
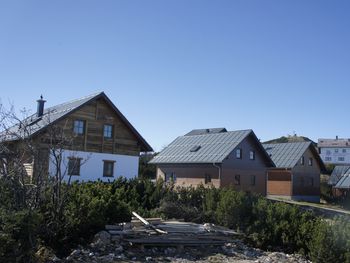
(302, 160)
(108, 131)
(79, 127)
(252, 155)
(310, 161)
(74, 166)
(252, 180)
(239, 153)
(237, 179)
(207, 178)
(108, 168)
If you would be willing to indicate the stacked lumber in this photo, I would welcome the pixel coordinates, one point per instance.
(157, 232)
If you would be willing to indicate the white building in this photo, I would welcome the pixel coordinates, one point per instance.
(334, 151)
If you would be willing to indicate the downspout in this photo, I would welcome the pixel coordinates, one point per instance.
(219, 168)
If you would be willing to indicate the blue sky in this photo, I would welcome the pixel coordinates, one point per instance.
(276, 67)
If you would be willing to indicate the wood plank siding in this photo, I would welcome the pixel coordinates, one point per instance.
(95, 115)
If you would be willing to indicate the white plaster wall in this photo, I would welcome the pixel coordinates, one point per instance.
(92, 166)
(331, 152)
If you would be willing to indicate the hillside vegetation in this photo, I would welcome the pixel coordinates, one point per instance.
(90, 206)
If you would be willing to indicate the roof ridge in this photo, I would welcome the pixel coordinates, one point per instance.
(206, 134)
(75, 100)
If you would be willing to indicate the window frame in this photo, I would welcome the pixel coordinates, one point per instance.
(76, 129)
(252, 180)
(111, 131)
(310, 161)
(108, 162)
(237, 180)
(75, 170)
(252, 155)
(238, 153)
(207, 178)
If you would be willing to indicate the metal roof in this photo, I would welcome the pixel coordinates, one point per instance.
(337, 173)
(205, 131)
(33, 124)
(214, 148)
(286, 155)
(344, 181)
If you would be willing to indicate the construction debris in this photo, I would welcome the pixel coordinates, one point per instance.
(156, 240)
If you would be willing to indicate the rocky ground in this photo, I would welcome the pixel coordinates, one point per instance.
(106, 249)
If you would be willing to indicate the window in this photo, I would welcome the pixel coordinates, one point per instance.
(108, 168)
(207, 178)
(239, 153)
(341, 159)
(252, 155)
(336, 150)
(302, 160)
(344, 150)
(310, 161)
(108, 131)
(78, 127)
(328, 158)
(170, 177)
(252, 180)
(237, 179)
(74, 166)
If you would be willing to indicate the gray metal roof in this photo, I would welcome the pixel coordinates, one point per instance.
(205, 131)
(344, 181)
(337, 173)
(33, 124)
(286, 155)
(214, 148)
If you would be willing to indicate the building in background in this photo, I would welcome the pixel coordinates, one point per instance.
(334, 151)
(215, 157)
(297, 172)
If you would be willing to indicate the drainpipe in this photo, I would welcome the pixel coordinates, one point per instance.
(219, 168)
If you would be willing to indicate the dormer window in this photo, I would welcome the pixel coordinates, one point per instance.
(238, 153)
(79, 127)
(107, 131)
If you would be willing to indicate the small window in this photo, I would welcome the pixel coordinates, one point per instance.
(108, 131)
(341, 159)
(74, 166)
(170, 177)
(108, 168)
(79, 127)
(237, 179)
(207, 178)
(344, 150)
(310, 161)
(252, 155)
(252, 180)
(302, 160)
(336, 150)
(239, 153)
(328, 158)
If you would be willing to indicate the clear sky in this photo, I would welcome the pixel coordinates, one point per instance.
(276, 67)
